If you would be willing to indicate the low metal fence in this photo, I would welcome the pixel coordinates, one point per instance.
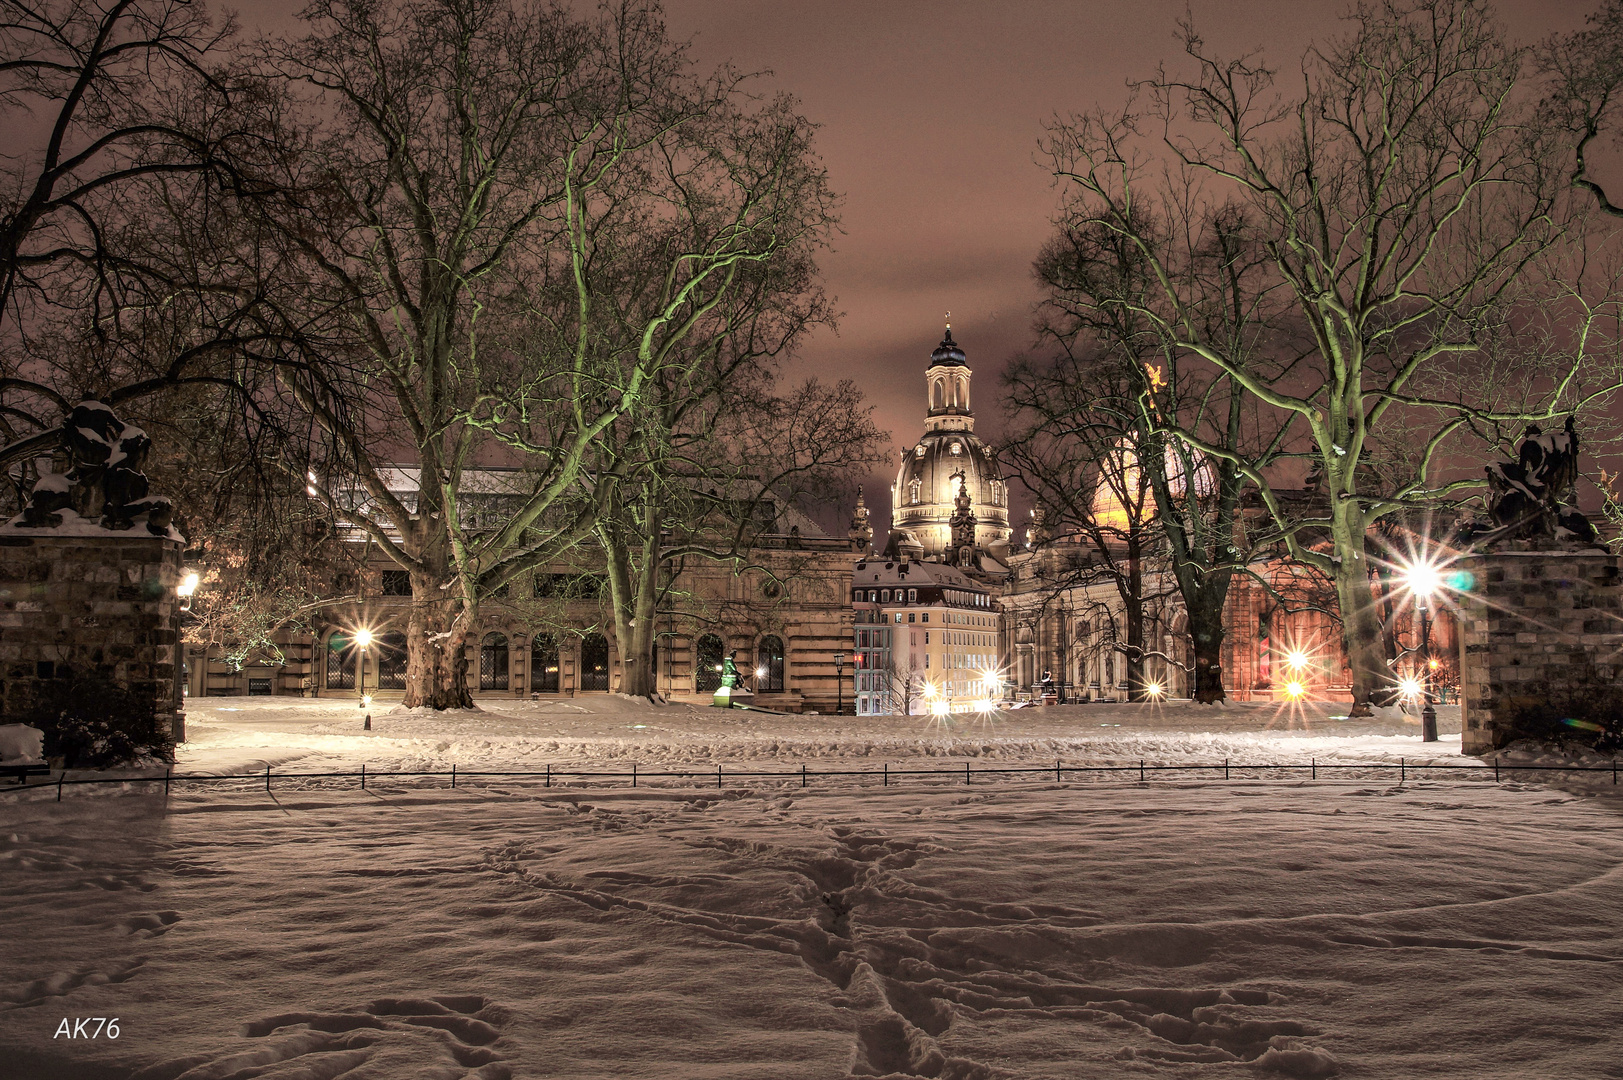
(884, 775)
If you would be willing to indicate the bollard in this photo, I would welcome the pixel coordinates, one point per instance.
(368, 725)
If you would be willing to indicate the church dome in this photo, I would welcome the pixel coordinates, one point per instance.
(926, 480)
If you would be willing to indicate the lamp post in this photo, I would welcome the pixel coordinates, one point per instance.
(839, 691)
(1428, 715)
(363, 638)
(1424, 581)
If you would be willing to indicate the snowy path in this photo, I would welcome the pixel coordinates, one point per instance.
(1164, 930)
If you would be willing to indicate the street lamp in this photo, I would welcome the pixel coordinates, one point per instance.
(363, 638)
(839, 681)
(1424, 580)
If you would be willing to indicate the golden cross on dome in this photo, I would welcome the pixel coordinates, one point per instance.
(949, 320)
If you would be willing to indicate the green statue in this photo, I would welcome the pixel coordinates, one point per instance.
(729, 670)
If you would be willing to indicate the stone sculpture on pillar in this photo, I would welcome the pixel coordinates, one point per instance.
(104, 482)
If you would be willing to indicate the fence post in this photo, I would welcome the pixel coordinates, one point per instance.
(887, 774)
(966, 773)
(453, 774)
(633, 774)
(1141, 770)
(1315, 767)
(1225, 768)
(363, 776)
(59, 778)
(1403, 770)
(549, 774)
(166, 773)
(1057, 780)
(802, 774)
(718, 776)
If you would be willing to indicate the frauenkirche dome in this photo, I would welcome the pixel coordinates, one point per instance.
(927, 482)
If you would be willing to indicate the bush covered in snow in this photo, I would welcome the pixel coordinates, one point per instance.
(92, 722)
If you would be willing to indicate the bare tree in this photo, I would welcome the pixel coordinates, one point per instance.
(1406, 204)
(469, 186)
(1097, 283)
(105, 101)
(714, 475)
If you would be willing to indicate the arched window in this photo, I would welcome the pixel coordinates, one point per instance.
(543, 664)
(341, 657)
(937, 393)
(769, 665)
(913, 490)
(493, 662)
(707, 664)
(594, 662)
(390, 650)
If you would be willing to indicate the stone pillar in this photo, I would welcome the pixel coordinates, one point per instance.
(1541, 639)
(72, 605)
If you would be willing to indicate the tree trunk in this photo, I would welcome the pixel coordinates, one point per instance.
(1206, 634)
(634, 590)
(1372, 679)
(436, 647)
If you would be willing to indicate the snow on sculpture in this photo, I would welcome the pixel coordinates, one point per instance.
(104, 486)
(1528, 497)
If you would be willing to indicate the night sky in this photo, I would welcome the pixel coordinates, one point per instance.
(931, 114)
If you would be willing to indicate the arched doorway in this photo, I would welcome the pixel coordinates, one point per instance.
(493, 662)
(594, 662)
(769, 665)
(543, 664)
(341, 658)
(391, 654)
(707, 664)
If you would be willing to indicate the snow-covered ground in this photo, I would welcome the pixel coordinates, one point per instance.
(246, 734)
(1178, 928)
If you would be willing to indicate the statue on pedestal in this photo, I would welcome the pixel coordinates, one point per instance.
(104, 482)
(1527, 498)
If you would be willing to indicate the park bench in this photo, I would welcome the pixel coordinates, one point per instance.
(23, 772)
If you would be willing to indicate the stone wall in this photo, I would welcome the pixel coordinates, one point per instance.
(74, 605)
(1541, 638)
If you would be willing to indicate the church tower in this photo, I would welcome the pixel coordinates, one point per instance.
(948, 463)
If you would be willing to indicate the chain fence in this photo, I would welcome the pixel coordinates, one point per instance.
(883, 776)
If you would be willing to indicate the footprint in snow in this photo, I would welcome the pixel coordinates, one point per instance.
(436, 1035)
